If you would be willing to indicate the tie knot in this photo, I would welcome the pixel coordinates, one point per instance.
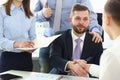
(78, 41)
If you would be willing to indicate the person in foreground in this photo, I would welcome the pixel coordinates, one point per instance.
(45, 10)
(109, 68)
(17, 29)
(65, 50)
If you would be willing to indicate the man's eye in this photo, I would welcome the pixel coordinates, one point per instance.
(77, 18)
(85, 19)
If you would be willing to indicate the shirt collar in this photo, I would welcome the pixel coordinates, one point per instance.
(76, 37)
(14, 7)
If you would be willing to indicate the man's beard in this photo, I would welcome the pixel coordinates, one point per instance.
(80, 31)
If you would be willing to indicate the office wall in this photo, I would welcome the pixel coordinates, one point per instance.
(98, 5)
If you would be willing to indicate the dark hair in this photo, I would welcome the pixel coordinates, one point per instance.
(26, 6)
(79, 7)
(112, 7)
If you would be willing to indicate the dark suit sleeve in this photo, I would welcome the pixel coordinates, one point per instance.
(96, 52)
(56, 55)
(91, 50)
(99, 51)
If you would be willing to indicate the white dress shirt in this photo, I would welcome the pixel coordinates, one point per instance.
(109, 63)
(74, 37)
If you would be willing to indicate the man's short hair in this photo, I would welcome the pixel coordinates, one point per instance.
(79, 7)
(112, 7)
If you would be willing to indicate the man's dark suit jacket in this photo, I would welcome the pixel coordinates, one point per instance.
(61, 51)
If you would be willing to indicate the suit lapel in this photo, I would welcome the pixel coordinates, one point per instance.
(85, 46)
(69, 44)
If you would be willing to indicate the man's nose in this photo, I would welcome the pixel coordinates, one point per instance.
(81, 21)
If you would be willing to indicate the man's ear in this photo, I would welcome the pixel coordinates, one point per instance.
(107, 19)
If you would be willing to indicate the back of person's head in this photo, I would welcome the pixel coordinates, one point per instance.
(78, 7)
(112, 7)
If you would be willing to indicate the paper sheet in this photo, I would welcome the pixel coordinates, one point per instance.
(25, 49)
(43, 41)
(44, 77)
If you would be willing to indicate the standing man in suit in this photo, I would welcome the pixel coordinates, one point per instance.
(46, 12)
(62, 49)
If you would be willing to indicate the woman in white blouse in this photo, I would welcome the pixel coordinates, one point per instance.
(109, 68)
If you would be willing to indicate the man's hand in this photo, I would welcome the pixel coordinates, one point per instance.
(96, 37)
(46, 11)
(83, 64)
(76, 69)
(87, 68)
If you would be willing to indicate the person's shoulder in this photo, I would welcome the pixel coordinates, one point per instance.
(66, 33)
(88, 35)
(32, 18)
(63, 36)
(2, 7)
